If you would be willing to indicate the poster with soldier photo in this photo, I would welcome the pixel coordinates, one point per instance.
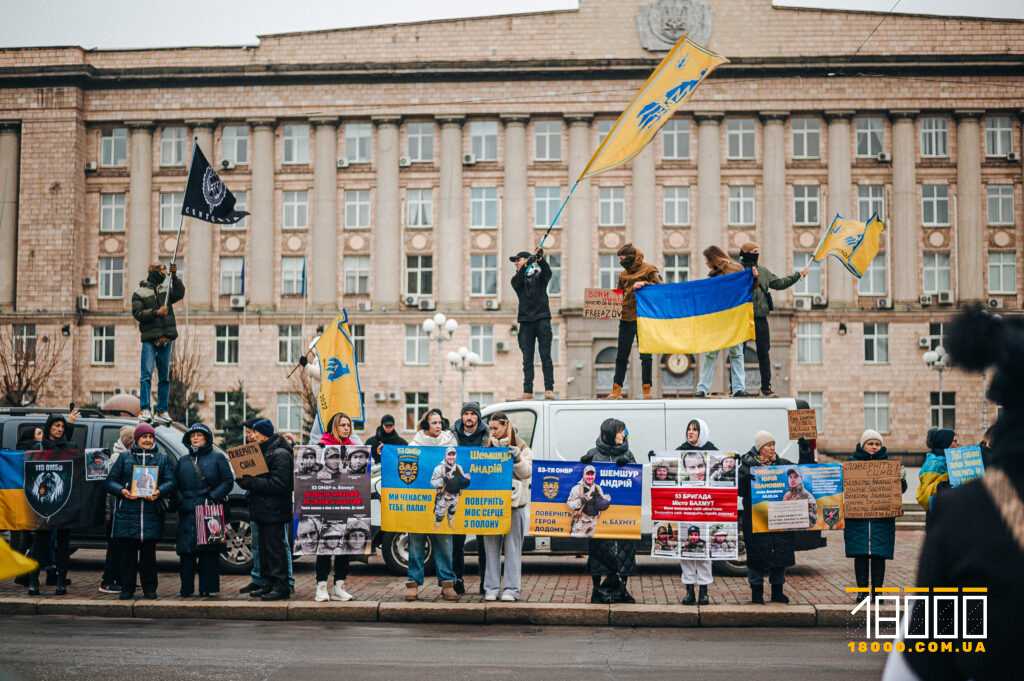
(599, 500)
(332, 500)
(665, 471)
(665, 540)
(797, 497)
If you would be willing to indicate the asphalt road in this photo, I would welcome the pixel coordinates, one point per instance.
(55, 648)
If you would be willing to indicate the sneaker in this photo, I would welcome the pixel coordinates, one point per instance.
(275, 596)
(339, 592)
(741, 393)
(700, 393)
(490, 598)
(508, 598)
(321, 593)
(110, 589)
(126, 595)
(549, 394)
(162, 417)
(145, 415)
(767, 392)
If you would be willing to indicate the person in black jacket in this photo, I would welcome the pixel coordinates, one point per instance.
(534, 320)
(270, 507)
(470, 432)
(385, 435)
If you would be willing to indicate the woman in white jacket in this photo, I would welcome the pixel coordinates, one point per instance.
(503, 434)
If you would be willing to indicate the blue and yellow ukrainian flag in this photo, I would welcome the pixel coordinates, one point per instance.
(852, 243)
(339, 375)
(15, 513)
(696, 316)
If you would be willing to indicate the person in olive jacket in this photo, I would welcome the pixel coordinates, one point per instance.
(270, 507)
(138, 522)
(152, 309)
(204, 476)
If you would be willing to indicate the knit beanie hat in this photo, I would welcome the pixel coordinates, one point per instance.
(249, 423)
(870, 435)
(264, 427)
(747, 246)
(127, 436)
(144, 429)
(762, 438)
(471, 406)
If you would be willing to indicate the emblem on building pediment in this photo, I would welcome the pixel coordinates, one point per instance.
(663, 22)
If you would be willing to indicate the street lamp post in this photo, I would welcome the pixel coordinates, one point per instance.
(936, 359)
(463, 361)
(445, 329)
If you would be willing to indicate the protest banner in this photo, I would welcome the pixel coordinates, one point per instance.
(450, 490)
(963, 464)
(794, 497)
(332, 500)
(803, 423)
(247, 459)
(694, 505)
(602, 303)
(48, 490)
(599, 500)
(871, 489)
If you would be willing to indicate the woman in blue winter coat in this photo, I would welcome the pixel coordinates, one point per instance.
(137, 522)
(202, 477)
(870, 541)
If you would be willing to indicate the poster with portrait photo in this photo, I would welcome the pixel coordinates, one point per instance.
(693, 541)
(308, 460)
(665, 471)
(332, 502)
(97, 464)
(144, 480)
(723, 541)
(693, 469)
(665, 540)
(723, 469)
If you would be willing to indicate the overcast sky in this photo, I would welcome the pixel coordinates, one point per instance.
(140, 23)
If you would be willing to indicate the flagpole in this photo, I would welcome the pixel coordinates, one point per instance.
(245, 309)
(181, 222)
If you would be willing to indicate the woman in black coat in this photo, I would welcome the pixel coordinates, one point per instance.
(203, 476)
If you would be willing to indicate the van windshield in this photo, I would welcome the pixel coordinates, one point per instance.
(525, 421)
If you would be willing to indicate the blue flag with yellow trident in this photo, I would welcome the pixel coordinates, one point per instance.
(339, 376)
(852, 243)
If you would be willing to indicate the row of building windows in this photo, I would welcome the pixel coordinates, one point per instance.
(941, 409)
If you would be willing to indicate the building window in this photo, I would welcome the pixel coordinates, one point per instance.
(806, 138)
(870, 201)
(611, 206)
(943, 410)
(876, 412)
(607, 270)
(289, 343)
(811, 284)
(416, 406)
(872, 283)
(675, 206)
(481, 341)
(417, 345)
(934, 137)
(419, 271)
(241, 197)
(420, 142)
(740, 137)
(357, 142)
(483, 399)
(546, 202)
(805, 205)
(547, 140)
(23, 337)
(296, 143)
(483, 140)
(226, 345)
(112, 212)
(936, 272)
(172, 146)
(483, 275)
(604, 126)
(808, 342)
(357, 208)
(1000, 204)
(935, 205)
(675, 140)
(876, 343)
(814, 401)
(936, 335)
(295, 206)
(114, 148)
(170, 210)
(419, 207)
(289, 413)
(221, 409)
(869, 136)
(292, 274)
(555, 263)
(998, 136)
(741, 205)
(103, 345)
(1002, 273)
(359, 341)
(483, 207)
(677, 268)
(234, 144)
(357, 275)
(100, 397)
(232, 271)
(111, 279)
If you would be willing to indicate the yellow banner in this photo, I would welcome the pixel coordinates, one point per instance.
(13, 563)
(852, 243)
(339, 378)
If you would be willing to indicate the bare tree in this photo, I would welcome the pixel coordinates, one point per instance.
(27, 363)
(186, 363)
(307, 387)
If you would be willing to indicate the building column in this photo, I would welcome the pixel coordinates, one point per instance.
(578, 252)
(840, 283)
(199, 246)
(450, 236)
(260, 244)
(140, 203)
(387, 243)
(645, 206)
(902, 225)
(970, 254)
(323, 252)
(515, 232)
(775, 249)
(10, 143)
(709, 185)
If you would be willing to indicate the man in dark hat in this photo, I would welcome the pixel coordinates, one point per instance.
(534, 319)
(385, 435)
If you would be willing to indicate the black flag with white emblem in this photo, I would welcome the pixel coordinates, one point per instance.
(206, 197)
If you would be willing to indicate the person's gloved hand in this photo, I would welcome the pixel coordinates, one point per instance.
(245, 481)
(516, 453)
(587, 458)
(622, 461)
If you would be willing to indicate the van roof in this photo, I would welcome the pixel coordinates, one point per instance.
(687, 402)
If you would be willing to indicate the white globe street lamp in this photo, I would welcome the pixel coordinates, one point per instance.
(462, 361)
(936, 359)
(440, 329)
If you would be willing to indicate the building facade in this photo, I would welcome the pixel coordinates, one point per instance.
(392, 170)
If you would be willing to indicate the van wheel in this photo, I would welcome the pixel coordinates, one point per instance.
(738, 567)
(395, 549)
(237, 560)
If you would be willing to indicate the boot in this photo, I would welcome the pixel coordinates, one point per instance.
(648, 394)
(339, 591)
(62, 584)
(448, 590)
(437, 523)
(33, 584)
(549, 394)
(757, 594)
(702, 598)
(616, 393)
(777, 595)
(689, 599)
(623, 595)
(609, 589)
(595, 595)
(411, 590)
(524, 396)
(321, 593)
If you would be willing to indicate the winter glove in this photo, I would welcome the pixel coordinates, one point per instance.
(245, 481)
(622, 461)
(586, 458)
(516, 453)
(540, 252)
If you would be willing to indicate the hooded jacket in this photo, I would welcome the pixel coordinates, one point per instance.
(533, 293)
(148, 298)
(270, 494)
(766, 280)
(934, 474)
(638, 271)
(870, 536)
(138, 518)
(59, 443)
(703, 443)
(383, 438)
(765, 550)
(192, 491)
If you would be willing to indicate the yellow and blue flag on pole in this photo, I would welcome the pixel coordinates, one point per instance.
(696, 316)
(13, 563)
(339, 376)
(852, 243)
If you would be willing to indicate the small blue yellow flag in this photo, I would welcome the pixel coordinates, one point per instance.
(852, 243)
(696, 316)
(13, 563)
(339, 376)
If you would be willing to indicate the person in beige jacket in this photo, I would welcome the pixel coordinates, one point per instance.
(503, 434)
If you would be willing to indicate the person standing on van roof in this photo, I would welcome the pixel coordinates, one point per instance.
(718, 264)
(534, 319)
(152, 309)
(696, 571)
(634, 276)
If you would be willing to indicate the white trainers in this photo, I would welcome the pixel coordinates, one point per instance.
(321, 592)
(508, 598)
(490, 598)
(339, 592)
(162, 417)
(145, 415)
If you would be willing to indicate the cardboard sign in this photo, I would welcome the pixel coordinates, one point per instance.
(803, 423)
(247, 459)
(871, 489)
(602, 303)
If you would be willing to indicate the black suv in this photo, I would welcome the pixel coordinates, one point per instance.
(102, 428)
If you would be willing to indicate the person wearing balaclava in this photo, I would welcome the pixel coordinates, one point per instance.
(153, 310)
(763, 304)
(634, 276)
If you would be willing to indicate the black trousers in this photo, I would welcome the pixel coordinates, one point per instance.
(62, 549)
(323, 568)
(112, 561)
(627, 332)
(530, 335)
(763, 342)
(206, 565)
(273, 561)
(860, 570)
(138, 556)
(459, 556)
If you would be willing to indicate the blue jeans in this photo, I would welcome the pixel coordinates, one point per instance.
(755, 576)
(161, 357)
(738, 379)
(442, 557)
(256, 554)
